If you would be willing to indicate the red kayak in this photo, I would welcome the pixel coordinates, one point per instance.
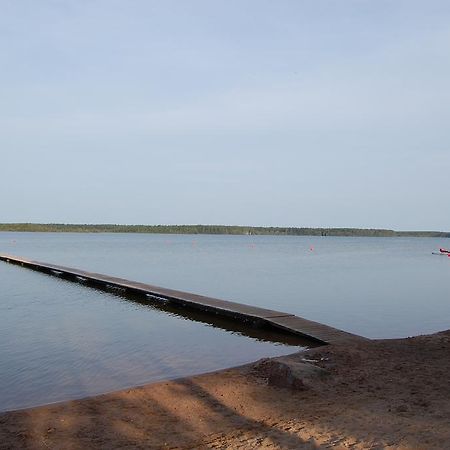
(442, 252)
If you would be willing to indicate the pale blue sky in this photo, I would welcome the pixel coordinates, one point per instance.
(289, 113)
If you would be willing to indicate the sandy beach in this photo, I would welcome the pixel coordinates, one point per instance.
(385, 394)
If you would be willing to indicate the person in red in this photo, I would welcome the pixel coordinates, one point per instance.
(443, 250)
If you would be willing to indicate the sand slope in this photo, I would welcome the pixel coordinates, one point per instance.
(391, 394)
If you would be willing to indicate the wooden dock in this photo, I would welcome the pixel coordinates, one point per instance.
(255, 316)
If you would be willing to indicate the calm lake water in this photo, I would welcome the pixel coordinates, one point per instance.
(61, 340)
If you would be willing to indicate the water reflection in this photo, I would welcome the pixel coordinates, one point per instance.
(61, 340)
(259, 332)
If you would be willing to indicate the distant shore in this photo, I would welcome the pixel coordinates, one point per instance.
(215, 229)
(390, 394)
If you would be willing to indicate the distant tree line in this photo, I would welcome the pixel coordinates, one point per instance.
(215, 229)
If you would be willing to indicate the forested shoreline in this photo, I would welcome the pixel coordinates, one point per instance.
(214, 229)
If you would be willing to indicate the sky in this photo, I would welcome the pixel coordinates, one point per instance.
(237, 112)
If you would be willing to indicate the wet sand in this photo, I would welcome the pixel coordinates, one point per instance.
(386, 394)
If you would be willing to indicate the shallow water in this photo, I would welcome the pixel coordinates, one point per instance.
(62, 340)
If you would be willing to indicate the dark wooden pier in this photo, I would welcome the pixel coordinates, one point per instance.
(253, 315)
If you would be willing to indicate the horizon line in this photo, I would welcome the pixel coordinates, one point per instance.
(264, 227)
